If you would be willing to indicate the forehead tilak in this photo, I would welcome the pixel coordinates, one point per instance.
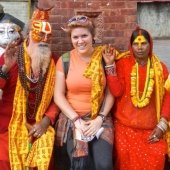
(140, 39)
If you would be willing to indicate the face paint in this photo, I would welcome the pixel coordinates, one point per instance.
(139, 40)
(8, 32)
(40, 30)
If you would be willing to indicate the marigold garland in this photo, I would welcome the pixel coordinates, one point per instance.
(148, 89)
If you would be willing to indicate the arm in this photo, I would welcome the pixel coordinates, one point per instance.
(61, 101)
(60, 98)
(113, 71)
(4, 69)
(94, 125)
(162, 125)
(165, 110)
(52, 112)
(107, 103)
(115, 85)
(9, 58)
(39, 128)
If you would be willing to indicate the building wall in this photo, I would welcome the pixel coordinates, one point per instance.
(155, 18)
(115, 21)
(17, 8)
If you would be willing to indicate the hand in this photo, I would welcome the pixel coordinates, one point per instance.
(79, 125)
(155, 136)
(108, 54)
(10, 56)
(39, 128)
(92, 126)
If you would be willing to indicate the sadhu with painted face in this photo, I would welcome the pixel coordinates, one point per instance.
(10, 30)
(27, 111)
(142, 105)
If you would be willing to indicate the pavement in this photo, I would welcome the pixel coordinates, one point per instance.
(162, 50)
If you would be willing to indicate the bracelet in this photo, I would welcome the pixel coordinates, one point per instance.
(76, 118)
(163, 125)
(108, 66)
(102, 116)
(111, 71)
(161, 128)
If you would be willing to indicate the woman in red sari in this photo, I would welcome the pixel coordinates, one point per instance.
(142, 111)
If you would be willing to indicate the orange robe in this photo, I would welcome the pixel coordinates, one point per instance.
(6, 105)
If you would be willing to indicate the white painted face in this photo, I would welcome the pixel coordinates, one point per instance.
(8, 33)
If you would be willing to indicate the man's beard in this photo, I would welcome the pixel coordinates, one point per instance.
(40, 57)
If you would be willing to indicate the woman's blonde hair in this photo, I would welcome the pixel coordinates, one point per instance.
(80, 21)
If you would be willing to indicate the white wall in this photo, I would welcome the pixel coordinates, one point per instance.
(155, 17)
(17, 9)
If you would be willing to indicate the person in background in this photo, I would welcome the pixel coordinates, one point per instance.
(167, 161)
(27, 111)
(10, 30)
(85, 102)
(142, 105)
(167, 83)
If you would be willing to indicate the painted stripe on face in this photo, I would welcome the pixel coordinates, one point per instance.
(139, 40)
(39, 27)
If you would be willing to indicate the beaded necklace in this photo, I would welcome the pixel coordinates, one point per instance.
(148, 89)
(35, 88)
(32, 78)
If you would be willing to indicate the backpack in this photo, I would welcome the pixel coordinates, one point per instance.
(66, 62)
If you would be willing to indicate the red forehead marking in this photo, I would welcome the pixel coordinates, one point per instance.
(47, 28)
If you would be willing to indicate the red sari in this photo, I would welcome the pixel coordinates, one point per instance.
(134, 125)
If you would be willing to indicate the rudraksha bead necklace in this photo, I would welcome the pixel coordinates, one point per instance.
(37, 87)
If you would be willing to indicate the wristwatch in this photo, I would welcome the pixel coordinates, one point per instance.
(102, 116)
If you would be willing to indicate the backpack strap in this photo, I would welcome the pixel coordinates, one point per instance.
(66, 62)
